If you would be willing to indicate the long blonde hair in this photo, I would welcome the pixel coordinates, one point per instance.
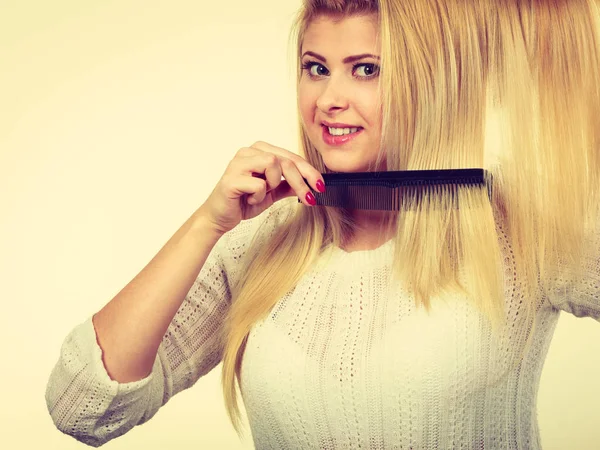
(445, 64)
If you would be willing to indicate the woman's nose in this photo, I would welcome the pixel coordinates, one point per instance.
(334, 96)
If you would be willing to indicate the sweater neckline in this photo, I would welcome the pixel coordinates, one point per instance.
(359, 259)
(381, 248)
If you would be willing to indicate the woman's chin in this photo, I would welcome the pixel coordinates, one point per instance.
(342, 164)
(347, 161)
(346, 167)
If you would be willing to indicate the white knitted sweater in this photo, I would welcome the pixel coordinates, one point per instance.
(337, 364)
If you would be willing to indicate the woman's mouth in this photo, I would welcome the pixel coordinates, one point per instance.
(340, 136)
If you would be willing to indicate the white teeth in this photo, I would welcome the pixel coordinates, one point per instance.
(341, 131)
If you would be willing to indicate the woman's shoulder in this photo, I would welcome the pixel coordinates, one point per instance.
(236, 240)
(270, 219)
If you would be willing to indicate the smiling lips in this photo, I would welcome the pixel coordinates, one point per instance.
(338, 125)
(336, 140)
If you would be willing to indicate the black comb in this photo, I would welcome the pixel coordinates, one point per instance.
(385, 190)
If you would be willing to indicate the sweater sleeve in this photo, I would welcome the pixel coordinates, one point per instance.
(85, 403)
(581, 297)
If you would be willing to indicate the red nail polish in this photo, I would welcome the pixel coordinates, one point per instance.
(311, 199)
(320, 186)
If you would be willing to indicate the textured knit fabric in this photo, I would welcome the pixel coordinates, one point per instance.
(340, 362)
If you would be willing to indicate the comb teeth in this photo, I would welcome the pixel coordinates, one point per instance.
(386, 190)
(411, 177)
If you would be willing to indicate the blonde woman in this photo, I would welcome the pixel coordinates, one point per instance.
(421, 328)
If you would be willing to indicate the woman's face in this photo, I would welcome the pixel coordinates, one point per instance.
(338, 88)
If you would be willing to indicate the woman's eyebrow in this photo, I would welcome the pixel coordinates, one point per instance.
(346, 60)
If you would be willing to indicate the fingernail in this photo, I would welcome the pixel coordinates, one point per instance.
(311, 199)
(320, 186)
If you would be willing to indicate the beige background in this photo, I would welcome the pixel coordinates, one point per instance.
(117, 119)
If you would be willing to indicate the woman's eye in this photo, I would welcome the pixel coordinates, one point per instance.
(309, 65)
(365, 70)
(370, 69)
